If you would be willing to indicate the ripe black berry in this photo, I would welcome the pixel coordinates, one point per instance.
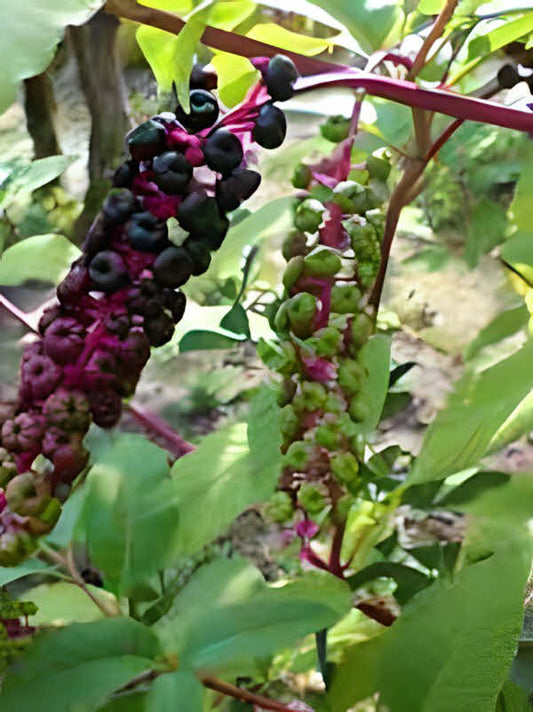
(108, 271)
(200, 216)
(270, 127)
(172, 172)
(159, 329)
(147, 140)
(172, 267)
(203, 78)
(200, 255)
(223, 152)
(280, 75)
(125, 174)
(203, 111)
(118, 206)
(239, 186)
(175, 303)
(146, 233)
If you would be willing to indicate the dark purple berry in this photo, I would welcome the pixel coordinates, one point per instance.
(147, 140)
(203, 111)
(70, 459)
(172, 172)
(118, 206)
(200, 255)
(200, 216)
(270, 127)
(146, 233)
(118, 324)
(223, 152)
(48, 316)
(106, 407)
(239, 186)
(68, 410)
(280, 76)
(203, 78)
(74, 286)
(63, 340)
(97, 238)
(108, 271)
(39, 376)
(175, 303)
(159, 329)
(125, 174)
(172, 267)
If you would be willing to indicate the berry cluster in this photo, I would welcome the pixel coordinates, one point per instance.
(122, 296)
(323, 321)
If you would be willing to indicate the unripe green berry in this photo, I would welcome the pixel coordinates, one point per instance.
(289, 422)
(308, 215)
(378, 168)
(335, 403)
(367, 272)
(359, 408)
(311, 498)
(376, 218)
(346, 426)
(345, 299)
(328, 436)
(350, 196)
(301, 311)
(312, 396)
(294, 244)
(298, 455)
(361, 330)
(322, 263)
(278, 356)
(293, 272)
(325, 343)
(281, 320)
(301, 177)
(351, 376)
(286, 392)
(279, 507)
(335, 128)
(344, 467)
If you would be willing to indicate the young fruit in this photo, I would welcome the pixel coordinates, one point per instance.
(280, 76)
(108, 272)
(172, 172)
(270, 127)
(203, 111)
(345, 299)
(223, 152)
(308, 215)
(322, 263)
(294, 244)
(336, 128)
(302, 176)
(173, 267)
(301, 311)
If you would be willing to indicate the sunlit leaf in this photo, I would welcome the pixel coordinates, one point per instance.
(42, 258)
(279, 36)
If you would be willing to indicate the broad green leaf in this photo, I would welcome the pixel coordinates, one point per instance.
(269, 218)
(235, 76)
(451, 648)
(513, 699)
(409, 581)
(35, 175)
(200, 339)
(228, 14)
(461, 433)
(517, 424)
(60, 603)
(180, 7)
(278, 36)
(13, 573)
(180, 690)
(42, 258)
(131, 702)
(227, 617)
(129, 503)
(486, 229)
(158, 48)
(369, 21)
(518, 251)
(236, 320)
(355, 677)
(31, 32)
(430, 7)
(230, 470)
(375, 357)
(81, 664)
(65, 530)
(184, 49)
(503, 325)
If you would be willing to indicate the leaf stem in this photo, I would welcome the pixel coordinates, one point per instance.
(76, 576)
(161, 429)
(238, 693)
(17, 313)
(436, 31)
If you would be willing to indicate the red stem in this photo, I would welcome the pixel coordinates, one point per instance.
(334, 564)
(158, 427)
(238, 693)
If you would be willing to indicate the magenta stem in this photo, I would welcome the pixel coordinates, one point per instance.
(161, 429)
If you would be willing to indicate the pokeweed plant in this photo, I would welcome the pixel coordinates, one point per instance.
(412, 604)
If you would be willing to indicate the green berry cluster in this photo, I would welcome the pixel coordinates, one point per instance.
(322, 322)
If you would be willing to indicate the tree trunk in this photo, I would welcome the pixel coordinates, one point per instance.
(40, 108)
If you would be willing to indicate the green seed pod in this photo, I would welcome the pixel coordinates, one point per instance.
(311, 498)
(308, 215)
(379, 193)
(346, 426)
(335, 403)
(294, 244)
(286, 392)
(359, 408)
(367, 272)
(376, 218)
(335, 128)
(351, 376)
(278, 356)
(363, 238)
(344, 467)
(322, 263)
(361, 330)
(328, 436)
(279, 507)
(8, 467)
(350, 196)
(345, 299)
(293, 272)
(325, 343)
(281, 320)
(312, 396)
(45, 521)
(16, 546)
(301, 311)
(378, 168)
(301, 177)
(298, 456)
(289, 422)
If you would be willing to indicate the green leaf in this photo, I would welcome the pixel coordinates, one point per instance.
(461, 433)
(409, 580)
(369, 22)
(201, 339)
(375, 357)
(486, 229)
(228, 14)
(279, 36)
(34, 566)
(60, 603)
(230, 470)
(33, 176)
(503, 325)
(178, 690)
(355, 677)
(79, 666)
(513, 699)
(236, 320)
(43, 258)
(451, 648)
(430, 7)
(31, 32)
(235, 76)
(129, 503)
(158, 49)
(227, 617)
(64, 531)
(184, 49)
(518, 251)
(517, 424)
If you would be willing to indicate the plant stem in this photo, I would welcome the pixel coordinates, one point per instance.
(238, 693)
(76, 576)
(334, 563)
(434, 34)
(17, 313)
(159, 428)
